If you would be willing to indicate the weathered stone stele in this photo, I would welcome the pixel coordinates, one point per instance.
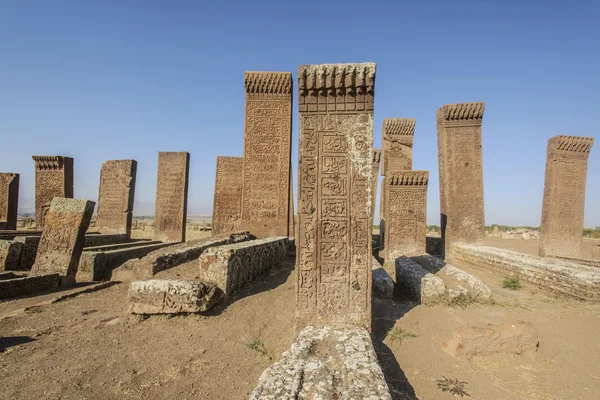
(564, 196)
(171, 196)
(461, 173)
(405, 214)
(376, 159)
(227, 206)
(63, 238)
(335, 198)
(9, 200)
(115, 201)
(397, 141)
(53, 178)
(267, 153)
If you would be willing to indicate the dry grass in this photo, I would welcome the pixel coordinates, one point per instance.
(398, 334)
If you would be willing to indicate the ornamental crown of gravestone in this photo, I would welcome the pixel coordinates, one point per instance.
(394, 128)
(574, 144)
(49, 162)
(414, 178)
(268, 82)
(463, 112)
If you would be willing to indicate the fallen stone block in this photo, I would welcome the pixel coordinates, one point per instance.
(10, 254)
(383, 285)
(232, 266)
(21, 286)
(158, 296)
(160, 260)
(417, 283)
(555, 276)
(325, 363)
(473, 341)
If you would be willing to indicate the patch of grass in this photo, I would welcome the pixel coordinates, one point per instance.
(259, 346)
(454, 386)
(512, 283)
(399, 334)
(463, 300)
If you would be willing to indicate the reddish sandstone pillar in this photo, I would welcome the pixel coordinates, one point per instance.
(564, 196)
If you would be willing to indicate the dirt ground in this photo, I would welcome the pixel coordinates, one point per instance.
(89, 347)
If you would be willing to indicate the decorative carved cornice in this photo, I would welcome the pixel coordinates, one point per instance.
(49, 162)
(336, 87)
(407, 178)
(462, 112)
(376, 155)
(577, 144)
(268, 82)
(399, 127)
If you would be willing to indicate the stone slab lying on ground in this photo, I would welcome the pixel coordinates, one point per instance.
(325, 363)
(509, 338)
(458, 282)
(26, 285)
(159, 260)
(551, 275)
(417, 283)
(157, 296)
(232, 266)
(383, 284)
(10, 254)
(98, 263)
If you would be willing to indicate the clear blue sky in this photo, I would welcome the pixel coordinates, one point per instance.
(100, 80)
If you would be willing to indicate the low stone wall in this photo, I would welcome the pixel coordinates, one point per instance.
(179, 253)
(158, 296)
(97, 264)
(584, 261)
(27, 285)
(232, 266)
(552, 275)
(100, 239)
(325, 363)
(417, 283)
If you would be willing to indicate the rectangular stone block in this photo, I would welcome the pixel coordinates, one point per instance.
(116, 196)
(63, 238)
(53, 178)
(461, 173)
(227, 206)
(9, 200)
(171, 297)
(418, 284)
(232, 266)
(267, 153)
(564, 196)
(335, 196)
(27, 285)
(405, 213)
(10, 254)
(171, 196)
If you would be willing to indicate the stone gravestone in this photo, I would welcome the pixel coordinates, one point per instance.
(171, 196)
(267, 153)
(334, 203)
(53, 178)
(9, 200)
(115, 201)
(564, 196)
(63, 238)
(227, 207)
(461, 174)
(376, 159)
(396, 150)
(405, 214)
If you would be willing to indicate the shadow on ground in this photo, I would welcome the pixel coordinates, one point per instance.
(6, 342)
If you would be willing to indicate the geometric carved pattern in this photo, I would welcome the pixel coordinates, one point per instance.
(461, 173)
(53, 178)
(564, 196)
(9, 200)
(227, 207)
(116, 196)
(334, 202)
(267, 154)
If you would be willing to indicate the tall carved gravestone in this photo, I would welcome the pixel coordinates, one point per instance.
(292, 215)
(335, 199)
(115, 201)
(376, 159)
(405, 214)
(461, 174)
(171, 196)
(63, 238)
(227, 206)
(397, 142)
(267, 153)
(564, 196)
(9, 200)
(53, 178)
